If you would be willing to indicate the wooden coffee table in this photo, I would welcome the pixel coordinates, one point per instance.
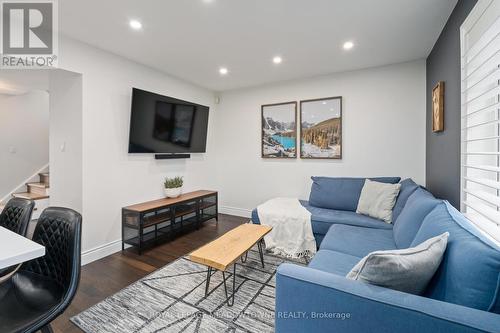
(227, 249)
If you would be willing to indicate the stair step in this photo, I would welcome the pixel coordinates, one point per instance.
(38, 188)
(30, 196)
(44, 177)
(39, 185)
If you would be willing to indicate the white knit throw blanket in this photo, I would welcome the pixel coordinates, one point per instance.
(292, 234)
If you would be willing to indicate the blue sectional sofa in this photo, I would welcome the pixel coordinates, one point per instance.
(463, 296)
(326, 212)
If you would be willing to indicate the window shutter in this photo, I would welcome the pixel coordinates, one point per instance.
(480, 137)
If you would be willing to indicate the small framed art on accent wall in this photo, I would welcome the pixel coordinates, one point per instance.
(321, 128)
(438, 107)
(279, 130)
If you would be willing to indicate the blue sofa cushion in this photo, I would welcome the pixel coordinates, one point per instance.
(408, 186)
(333, 262)
(418, 205)
(357, 241)
(469, 274)
(340, 193)
(322, 219)
(319, 238)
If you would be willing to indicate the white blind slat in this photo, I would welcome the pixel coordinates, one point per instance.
(491, 230)
(491, 214)
(482, 124)
(486, 153)
(491, 75)
(484, 138)
(484, 182)
(488, 108)
(485, 196)
(483, 167)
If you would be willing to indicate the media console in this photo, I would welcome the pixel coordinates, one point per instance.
(153, 222)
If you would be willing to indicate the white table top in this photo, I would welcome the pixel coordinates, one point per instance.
(16, 249)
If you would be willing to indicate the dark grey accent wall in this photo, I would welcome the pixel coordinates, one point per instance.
(443, 149)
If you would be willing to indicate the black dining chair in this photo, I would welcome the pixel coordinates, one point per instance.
(16, 216)
(44, 287)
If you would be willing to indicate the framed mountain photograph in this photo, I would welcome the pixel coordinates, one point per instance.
(279, 130)
(321, 128)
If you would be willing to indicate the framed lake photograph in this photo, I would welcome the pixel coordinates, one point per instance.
(279, 130)
(321, 128)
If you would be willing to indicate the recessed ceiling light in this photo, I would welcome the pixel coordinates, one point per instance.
(324, 102)
(223, 71)
(208, 1)
(348, 45)
(277, 60)
(136, 25)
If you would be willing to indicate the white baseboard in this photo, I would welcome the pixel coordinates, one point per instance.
(235, 211)
(101, 252)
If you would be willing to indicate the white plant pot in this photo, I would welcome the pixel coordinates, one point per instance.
(173, 192)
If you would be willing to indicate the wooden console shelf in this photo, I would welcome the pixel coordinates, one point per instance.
(156, 221)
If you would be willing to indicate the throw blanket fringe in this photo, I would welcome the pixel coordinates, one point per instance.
(292, 235)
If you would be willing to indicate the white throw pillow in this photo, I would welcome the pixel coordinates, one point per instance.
(377, 200)
(408, 270)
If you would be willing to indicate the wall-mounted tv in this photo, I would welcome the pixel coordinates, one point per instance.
(166, 125)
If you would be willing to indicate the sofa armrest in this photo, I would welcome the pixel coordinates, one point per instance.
(310, 300)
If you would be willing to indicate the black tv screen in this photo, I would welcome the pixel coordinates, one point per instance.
(166, 125)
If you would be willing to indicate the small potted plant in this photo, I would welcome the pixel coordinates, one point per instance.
(173, 187)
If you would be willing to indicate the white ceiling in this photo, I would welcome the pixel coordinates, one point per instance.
(191, 39)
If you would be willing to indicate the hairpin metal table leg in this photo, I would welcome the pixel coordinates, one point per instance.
(234, 286)
(246, 256)
(261, 252)
(209, 274)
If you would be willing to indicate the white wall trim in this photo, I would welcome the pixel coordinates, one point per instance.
(101, 251)
(242, 212)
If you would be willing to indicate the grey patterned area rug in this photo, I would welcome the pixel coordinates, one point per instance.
(172, 299)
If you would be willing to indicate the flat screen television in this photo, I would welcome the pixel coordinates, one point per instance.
(166, 125)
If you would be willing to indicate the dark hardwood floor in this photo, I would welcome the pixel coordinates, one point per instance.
(104, 277)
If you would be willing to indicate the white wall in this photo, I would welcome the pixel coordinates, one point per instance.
(24, 137)
(383, 134)
(113, 179)
(65, 139)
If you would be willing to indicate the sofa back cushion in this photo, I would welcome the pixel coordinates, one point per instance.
(408, 186)
(340, 193)
(469, 274)
(418, 205)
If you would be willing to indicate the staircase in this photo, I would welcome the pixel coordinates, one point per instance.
(36, 191)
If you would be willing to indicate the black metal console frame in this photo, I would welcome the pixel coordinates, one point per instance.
(175, 227)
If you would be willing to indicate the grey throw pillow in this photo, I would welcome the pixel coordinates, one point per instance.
(408, 270)
(377, 200)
